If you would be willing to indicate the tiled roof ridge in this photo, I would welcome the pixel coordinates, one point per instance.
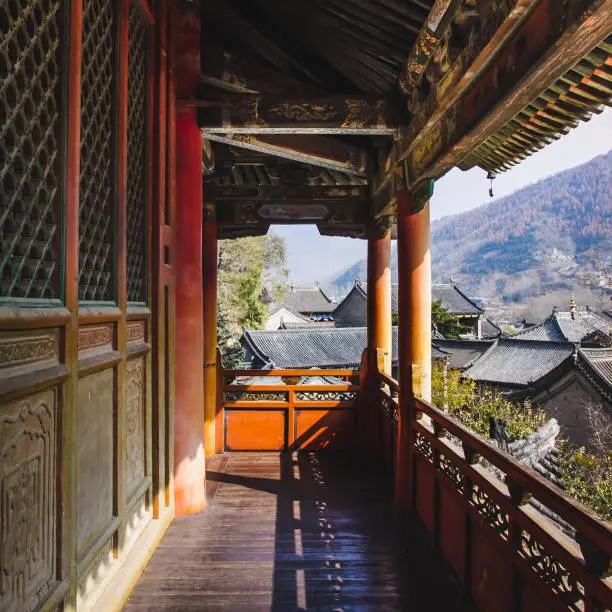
(529, 341)
(356, 288)
(308, 288)
(588, 321)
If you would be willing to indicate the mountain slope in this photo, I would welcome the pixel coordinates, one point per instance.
(553, 235)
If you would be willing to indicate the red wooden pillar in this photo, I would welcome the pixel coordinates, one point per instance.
(210, 327)
(189, 471)
(379, 296)
(379, 331)
(414, 277)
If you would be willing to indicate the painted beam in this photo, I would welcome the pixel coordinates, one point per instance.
(292, 212)
(430, 36)
(335, 114)
(309, 149)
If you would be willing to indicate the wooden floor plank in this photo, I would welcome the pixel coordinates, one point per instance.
(294, 531)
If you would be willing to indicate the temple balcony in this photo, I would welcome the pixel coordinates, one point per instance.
(320, 500)
(135, 134)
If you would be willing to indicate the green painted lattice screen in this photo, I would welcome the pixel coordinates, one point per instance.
(30, 149)
(97, 179)
(138, 57)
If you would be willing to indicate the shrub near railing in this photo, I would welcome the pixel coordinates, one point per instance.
(507, 554)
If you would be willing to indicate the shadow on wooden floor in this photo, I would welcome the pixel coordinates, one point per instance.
(295, 531)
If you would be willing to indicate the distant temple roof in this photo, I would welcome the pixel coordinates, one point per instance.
(596, 365)
(519, 363)
(576, 327)
(452, 298)
(315, 347)
(308, 299)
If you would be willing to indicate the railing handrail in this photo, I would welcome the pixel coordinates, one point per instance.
(581, 518)
(345, 388)
(287, 372)
(389, 380)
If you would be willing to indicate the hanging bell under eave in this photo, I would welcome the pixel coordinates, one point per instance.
(491, 177)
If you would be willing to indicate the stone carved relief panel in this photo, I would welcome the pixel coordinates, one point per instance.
(135, 468)
(28, 507)
(95, 455)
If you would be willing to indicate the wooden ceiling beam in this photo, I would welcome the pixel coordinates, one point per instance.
(309, 149)
(260, 114)
(223, 15)
(228, 71)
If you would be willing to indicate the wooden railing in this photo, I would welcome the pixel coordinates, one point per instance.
(476, 501)
(290, 415)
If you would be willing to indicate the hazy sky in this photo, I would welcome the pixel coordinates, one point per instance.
(312, 257)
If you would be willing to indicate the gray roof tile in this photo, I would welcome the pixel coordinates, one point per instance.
(454, 300)
(519, 363)
(315, 347)
(308, 300)
(596, 364)
(464, 352)
(563, 327)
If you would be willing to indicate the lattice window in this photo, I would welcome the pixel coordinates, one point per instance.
(98, 112)
(30, 141)
(138, 81)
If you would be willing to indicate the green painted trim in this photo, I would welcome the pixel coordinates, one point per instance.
(148, 204)
(421, 194)
(65, 89)
(31, 302)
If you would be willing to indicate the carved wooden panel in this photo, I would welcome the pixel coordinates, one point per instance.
(95, 338)
(95, 455)
(28, 508)
(135, 454)
(135, 332)
(28, 349)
